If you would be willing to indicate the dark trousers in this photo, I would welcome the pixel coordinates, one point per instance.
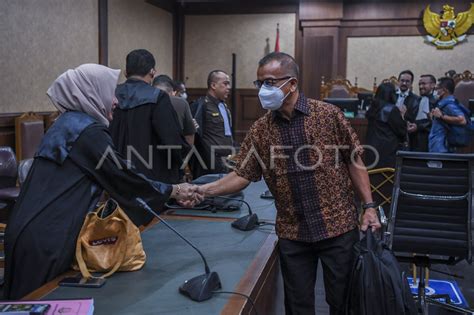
(299, 262)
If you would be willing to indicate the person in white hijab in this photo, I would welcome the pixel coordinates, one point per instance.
(89, 89)
(75, 162)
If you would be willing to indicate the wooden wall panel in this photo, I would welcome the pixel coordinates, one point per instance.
(321, 43)
(319, 10)
(317, 62)
(397, 10)
(195, 93)
(7, 137)
(7, 130)
(250, 107)
(7, 127)
(247, 110)
(343, 19)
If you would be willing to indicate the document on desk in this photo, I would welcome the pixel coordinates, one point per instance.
(61, 307)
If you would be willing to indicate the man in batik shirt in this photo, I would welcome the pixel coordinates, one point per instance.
(310, 158)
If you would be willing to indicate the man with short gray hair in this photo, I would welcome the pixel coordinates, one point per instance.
(310, 158)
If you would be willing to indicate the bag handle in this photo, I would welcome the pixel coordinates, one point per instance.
(80, 259)
(370, 237)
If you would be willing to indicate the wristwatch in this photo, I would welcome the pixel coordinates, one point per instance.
(368, 205)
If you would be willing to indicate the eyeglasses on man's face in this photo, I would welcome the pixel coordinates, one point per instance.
(269, 82)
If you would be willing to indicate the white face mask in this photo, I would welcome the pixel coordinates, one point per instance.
(435, 95)
(272, 97)
(184, 96)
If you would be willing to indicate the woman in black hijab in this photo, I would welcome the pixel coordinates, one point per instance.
(387, 128)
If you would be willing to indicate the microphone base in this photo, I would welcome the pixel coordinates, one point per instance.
(201, 288)
(246, 223)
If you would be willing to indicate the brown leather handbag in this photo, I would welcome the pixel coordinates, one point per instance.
(108, 243)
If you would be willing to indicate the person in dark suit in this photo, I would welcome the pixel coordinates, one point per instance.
(419, 130)
(405, 95)
(213, 139)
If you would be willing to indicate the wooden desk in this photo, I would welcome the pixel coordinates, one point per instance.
(247, 262)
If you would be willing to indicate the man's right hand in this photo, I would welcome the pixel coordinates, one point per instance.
(229, 184)
(370, 219)
(436, 112)
(187, 195)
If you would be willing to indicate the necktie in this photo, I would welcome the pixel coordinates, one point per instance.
(401, 99)
(223, 111)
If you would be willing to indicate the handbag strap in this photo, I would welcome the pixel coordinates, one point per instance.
(80, 259)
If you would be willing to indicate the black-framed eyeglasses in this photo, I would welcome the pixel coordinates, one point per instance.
(268, 82)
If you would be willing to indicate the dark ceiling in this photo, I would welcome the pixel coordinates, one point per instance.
(252, 6)
(226, 6)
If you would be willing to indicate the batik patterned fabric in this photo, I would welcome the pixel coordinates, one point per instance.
(304, 162)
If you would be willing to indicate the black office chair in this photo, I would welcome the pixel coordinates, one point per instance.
(24, 169)
(8, 175)
(430, 220)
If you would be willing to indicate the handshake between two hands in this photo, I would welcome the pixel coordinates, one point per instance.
(188, 195)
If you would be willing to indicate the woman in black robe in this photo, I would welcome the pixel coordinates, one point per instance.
(387, 128)
(75, 162)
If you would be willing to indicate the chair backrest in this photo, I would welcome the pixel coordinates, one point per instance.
(29, 130)
(464, 87)
(338, 88)
(381, 185)
(393, 79)
(23, 170)
(8, 167)
(431, 205)
(50, 119)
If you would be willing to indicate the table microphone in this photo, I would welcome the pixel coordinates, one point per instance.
(245, 223)
(199, 288)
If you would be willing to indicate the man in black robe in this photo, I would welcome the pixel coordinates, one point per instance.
(145, 127)
(75, 162)
(387, 128)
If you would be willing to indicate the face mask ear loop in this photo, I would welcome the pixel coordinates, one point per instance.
(282, 86)
(285, 83)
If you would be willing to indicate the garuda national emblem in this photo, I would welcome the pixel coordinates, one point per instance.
(447, 29)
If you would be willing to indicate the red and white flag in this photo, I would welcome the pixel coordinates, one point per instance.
(277, 42)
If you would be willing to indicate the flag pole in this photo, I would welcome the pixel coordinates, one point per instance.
(277, 41)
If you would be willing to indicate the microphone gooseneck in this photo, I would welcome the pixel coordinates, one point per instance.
(145, 206)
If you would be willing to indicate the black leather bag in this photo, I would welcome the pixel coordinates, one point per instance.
(377, 284)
